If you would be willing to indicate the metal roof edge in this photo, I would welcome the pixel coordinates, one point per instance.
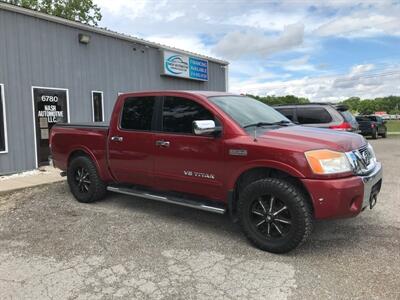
(102, 31)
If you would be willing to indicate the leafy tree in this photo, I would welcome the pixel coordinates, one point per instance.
(84, 11)
(280, 100)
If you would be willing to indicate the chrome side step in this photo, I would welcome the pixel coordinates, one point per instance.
(198, 204)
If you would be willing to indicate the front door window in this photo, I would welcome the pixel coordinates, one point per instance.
(179, 114)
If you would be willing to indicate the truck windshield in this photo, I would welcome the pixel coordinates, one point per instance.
(247, 111)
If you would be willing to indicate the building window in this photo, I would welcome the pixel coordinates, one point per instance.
(3, 125)
(97, 106)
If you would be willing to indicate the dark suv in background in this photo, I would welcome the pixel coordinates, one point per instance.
(322, 115)
(372, 126)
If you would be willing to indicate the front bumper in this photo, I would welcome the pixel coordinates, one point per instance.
(372, 186)
(345, 197)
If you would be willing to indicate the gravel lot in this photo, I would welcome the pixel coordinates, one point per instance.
(54, 247)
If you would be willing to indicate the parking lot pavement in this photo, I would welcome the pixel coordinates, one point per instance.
(54, 247)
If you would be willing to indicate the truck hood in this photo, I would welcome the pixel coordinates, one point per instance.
(308, 138)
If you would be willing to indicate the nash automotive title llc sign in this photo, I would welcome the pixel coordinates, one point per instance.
(179, 65)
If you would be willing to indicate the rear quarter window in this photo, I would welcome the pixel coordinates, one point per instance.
(348, 116)
(313, 115)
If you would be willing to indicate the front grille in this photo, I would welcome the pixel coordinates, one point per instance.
(362, 160)
(365, 155)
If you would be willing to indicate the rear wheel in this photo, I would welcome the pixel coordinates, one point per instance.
(84, 181)
(275, 216)
(374, 134)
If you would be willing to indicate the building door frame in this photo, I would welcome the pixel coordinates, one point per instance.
(34, 114)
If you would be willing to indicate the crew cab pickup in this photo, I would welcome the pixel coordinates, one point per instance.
(221, 153)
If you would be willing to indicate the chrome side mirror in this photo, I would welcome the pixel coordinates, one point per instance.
(205, 127)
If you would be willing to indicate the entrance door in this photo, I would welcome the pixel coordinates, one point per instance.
(51, 107)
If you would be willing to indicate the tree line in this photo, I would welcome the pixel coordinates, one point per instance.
(84, 11)
(389, 104)
(280, 100)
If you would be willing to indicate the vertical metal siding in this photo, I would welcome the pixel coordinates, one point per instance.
(36, 52)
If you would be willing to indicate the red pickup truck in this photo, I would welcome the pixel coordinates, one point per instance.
(221, 152)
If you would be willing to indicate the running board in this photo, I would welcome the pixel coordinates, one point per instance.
(198, 204)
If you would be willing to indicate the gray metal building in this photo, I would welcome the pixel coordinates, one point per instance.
(53, 69)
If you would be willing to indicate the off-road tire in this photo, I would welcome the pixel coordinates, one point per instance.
(298, 207)
(384, 135)
(96, 188)
(374, 134)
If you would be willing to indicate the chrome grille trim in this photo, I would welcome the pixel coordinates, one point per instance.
(362, 160)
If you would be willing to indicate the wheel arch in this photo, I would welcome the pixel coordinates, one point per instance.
(77, 152)
(256, 173)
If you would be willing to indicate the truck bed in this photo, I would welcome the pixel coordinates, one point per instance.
(102, 125)
(67, 138)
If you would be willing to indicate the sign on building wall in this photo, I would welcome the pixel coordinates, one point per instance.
(184, 66)
(50, 107)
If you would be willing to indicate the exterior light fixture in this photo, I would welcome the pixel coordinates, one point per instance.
(84, 38)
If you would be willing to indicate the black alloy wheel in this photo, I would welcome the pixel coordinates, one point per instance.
(275, 215)
(270, 217)
(374, 134)
(84, 180)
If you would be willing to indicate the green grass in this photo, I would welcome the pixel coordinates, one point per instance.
(393, 125)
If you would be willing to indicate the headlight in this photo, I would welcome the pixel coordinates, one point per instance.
(327, 161)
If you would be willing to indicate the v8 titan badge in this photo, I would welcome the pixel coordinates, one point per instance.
(199, 174)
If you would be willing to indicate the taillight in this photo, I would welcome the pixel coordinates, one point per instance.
(372, 125)
(342, 126)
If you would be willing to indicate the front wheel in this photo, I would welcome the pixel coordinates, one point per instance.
(384, 134)
(275, 216)
(84, 181)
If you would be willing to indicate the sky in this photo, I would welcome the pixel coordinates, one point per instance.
(322, 50)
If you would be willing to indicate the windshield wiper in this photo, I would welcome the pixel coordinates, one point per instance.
(260, 124)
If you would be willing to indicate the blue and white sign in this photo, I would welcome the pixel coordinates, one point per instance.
(184, 66)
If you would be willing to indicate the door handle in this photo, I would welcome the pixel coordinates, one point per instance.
(117, 138)
(163, 144)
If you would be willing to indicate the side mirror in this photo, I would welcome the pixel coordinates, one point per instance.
(205, 127)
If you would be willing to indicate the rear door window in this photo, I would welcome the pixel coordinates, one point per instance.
(137, 113)
(313, 115)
